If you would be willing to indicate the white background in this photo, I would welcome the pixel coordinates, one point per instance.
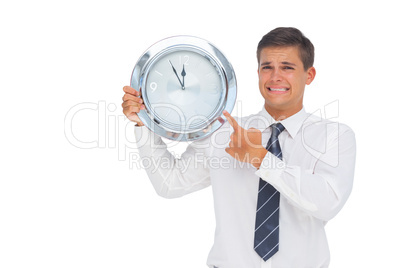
(62, 68)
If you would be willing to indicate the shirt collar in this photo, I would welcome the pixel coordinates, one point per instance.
(292, 124)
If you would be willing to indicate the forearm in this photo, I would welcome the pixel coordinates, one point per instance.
(320, 191)
(171, 177)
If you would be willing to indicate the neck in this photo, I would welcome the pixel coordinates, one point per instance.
(280, 115)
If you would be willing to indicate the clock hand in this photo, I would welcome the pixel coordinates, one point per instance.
(174, 70)
(183, 73)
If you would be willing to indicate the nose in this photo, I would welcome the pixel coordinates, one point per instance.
(276, 75)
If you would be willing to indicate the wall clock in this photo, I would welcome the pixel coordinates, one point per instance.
(185, 83)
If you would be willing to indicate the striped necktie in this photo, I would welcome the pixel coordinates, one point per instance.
(266, 235)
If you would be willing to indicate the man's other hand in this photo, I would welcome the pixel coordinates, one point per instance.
(245, 145)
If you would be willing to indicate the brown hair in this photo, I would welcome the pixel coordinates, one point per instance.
(288, 37)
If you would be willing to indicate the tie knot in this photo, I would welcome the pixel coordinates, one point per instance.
(277, 129)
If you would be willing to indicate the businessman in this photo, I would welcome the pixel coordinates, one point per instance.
(277, 176)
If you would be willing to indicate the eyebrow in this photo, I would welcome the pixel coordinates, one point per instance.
(283, 62)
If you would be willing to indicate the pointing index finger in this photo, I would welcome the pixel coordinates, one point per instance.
(231, 120)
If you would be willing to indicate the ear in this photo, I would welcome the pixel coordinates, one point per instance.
(310, 75)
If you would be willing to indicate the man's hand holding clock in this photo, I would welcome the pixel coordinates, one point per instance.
(132, 104)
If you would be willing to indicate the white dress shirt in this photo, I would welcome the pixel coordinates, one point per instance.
(314, 179)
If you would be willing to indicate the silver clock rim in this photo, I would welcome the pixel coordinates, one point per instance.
(195, 44)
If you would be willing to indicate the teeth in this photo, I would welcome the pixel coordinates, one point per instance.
(278, 89)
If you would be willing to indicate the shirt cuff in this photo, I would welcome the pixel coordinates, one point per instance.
(271, 168)
(145, 137)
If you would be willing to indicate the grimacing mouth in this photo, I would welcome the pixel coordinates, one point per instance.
(282, 89)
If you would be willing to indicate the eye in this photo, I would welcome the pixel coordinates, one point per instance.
(266, 67)
(288, 68)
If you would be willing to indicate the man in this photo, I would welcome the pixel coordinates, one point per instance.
(282, 173)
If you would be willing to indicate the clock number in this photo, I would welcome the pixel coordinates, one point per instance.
(184, 59)
(153, 86)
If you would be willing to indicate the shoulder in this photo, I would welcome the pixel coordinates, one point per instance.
(318, 126)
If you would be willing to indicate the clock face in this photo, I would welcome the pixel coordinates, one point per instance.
(185, 83)
(184, 89)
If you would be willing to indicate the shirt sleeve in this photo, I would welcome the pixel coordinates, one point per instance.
(323, 190)
(173, 176)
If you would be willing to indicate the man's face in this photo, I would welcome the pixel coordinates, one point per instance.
(282, 79)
